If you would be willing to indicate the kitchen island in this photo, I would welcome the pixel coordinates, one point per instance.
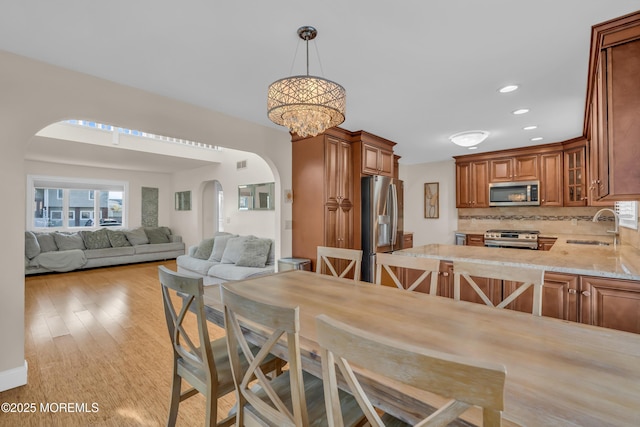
(587, 283)
(614, 261)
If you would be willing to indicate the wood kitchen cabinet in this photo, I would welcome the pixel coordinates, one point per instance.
(575, 173)
(558, 296)
(377, 156)
(472, 184)
(519, 168)
(546, 243)
(323, 187)
(551, 171)
(475, 240)
(611, 121)
(610, 303)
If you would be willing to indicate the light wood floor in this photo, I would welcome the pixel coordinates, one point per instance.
(99, 336)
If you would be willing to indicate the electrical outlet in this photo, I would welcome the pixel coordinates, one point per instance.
(574, 221)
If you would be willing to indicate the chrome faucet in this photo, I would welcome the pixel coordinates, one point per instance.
(615, 231)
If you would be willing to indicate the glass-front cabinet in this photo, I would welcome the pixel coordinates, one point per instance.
(575, 187)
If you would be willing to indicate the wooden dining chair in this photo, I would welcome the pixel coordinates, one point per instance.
(354, 256)
(293, 398)
(526, 276)
(202, 363)
(428, 267)
(464, 382)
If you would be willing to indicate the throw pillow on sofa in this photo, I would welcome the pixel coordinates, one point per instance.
(31, 245)
(233, 250)
(255, 253)
(204, 249)
(68, 241)
(96, 239)
(137, 236)
(117, 238)
(219, 245)
(46, 242)
(158, 235)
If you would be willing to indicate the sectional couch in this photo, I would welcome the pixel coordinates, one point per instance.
(225, 257)
(61, 252)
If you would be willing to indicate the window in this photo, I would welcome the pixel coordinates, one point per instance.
(84, 202)
(628, 214)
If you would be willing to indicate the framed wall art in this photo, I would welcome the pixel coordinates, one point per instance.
(432, 200)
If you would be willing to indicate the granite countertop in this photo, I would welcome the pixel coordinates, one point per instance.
(618, 261)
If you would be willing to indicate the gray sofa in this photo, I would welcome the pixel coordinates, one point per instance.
(226, 257)
(61, 252)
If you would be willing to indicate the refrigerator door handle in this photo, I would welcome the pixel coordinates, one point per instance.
(394, 217)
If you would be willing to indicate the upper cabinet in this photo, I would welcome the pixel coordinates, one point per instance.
(472, 184)
(518, 168)
(377, 155)
(613, 108)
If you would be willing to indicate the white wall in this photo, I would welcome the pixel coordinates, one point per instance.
(260, 223)
(35, 95)
(440, 230)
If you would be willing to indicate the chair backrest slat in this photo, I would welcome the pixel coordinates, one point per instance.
(384, 262)
(283, 322)
(465, 381)
(325, 254)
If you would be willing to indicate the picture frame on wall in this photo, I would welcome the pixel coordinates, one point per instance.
(432, 200)
(183, 200)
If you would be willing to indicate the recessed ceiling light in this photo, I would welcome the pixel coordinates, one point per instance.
(507, 89)
(469, 138)
(530, 127)
(473, 148)
(538, 138)
(521, 111)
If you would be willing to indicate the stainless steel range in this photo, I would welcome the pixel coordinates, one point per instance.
(523, 239)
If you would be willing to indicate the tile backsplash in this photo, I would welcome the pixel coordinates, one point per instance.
(546, 220)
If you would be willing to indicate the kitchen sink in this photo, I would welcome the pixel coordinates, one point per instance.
(588, 242)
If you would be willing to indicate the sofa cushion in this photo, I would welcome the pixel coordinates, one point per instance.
(117, 238)
(204, 249)
(137, 236)
(234, 249)
(109, 252)
(233, 272)
(219, 245)
(157, 235)
(46, 242)
(31, 245)
(255, 253)
(68, 241)
(98, 239)
(200, 266)
(159, 247)
(60, 261)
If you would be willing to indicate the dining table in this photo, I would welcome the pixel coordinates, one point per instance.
(559, 373)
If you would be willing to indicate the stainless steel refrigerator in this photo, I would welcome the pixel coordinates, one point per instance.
(382, 225)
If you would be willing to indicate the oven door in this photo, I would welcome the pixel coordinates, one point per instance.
(511, 243)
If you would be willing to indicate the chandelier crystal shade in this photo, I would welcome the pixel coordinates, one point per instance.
(307, 105)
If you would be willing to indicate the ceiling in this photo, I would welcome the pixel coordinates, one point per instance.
(414, 74)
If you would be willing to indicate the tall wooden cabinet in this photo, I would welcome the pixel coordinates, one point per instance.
(326, 172)
(613, 108)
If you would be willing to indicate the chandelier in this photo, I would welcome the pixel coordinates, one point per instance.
(307, 105)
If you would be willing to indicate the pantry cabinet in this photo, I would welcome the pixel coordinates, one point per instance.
(611, 121)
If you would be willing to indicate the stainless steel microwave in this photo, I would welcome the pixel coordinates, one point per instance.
(519, 193)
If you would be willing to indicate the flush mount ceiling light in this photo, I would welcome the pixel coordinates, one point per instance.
(307, 105)
(507, 89)
(469, 138)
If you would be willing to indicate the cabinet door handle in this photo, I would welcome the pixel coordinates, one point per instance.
(586, 293)
(444, 273)
(573, 291)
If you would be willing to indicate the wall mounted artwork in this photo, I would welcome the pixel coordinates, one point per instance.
(431, 200)
(149, 217)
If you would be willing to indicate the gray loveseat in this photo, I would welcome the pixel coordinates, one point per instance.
(227, 257)
(61, 252)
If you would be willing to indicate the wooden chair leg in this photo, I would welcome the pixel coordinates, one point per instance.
(175, 399)
(211, 417)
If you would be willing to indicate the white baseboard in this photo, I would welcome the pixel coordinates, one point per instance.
(12, 378)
